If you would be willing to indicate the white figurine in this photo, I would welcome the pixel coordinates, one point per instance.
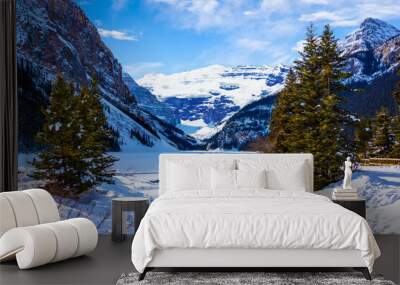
(347, 174)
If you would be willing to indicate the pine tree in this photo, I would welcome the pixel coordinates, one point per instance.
(305, 121)
(74, 137)
(309, 118)
(94, 136)
(58, 137)
(395, 126)
(395, 130)
(281, 125)
(396, 93)
(362, 136)
(330, 142)
(381, 139)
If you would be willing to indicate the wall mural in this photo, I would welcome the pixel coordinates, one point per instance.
(105, 86)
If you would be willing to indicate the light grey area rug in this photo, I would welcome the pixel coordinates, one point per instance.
(269, 278)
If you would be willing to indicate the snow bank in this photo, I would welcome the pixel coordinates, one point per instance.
(380, 187)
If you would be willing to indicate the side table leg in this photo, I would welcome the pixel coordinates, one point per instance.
(140, 211)
(116, 217)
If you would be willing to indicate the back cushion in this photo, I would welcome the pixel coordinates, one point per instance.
(281, 175)
(193, 175)
(26, 208)
(7, 219)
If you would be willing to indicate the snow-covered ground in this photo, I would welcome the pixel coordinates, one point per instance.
(137, 176)
(380, 186)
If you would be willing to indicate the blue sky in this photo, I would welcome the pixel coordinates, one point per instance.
(168, 36)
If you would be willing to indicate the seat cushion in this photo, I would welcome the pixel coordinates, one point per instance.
(40, 244)
(26, 208)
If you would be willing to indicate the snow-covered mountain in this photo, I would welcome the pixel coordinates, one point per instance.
(370, 35)
(147, 101)
(207, 97)
(371, 50)
(373, 55)
(56, 36)
(250, 123)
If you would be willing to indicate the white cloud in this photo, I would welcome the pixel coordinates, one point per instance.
(252, 44)
(118, 5)
(316, 2)
(250, 13)
(299, 46)
(142, 68)
(334, 18)
(340, 14)
(275, 5)
(203, 14)
(382, 10)
(170, 2)
(118, 35)
(320, 16)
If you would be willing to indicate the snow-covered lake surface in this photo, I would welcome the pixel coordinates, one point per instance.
(137, 176)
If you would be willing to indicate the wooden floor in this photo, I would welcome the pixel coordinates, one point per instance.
(110, 260)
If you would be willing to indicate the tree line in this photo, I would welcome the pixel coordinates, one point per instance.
(380, 136)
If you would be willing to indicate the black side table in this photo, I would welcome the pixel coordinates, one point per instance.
(357, 206)
(120, 207)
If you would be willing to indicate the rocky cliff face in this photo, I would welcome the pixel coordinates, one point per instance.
(149, 102)
(56, 37)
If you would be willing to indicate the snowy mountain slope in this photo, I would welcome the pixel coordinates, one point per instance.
(388, 54)
(57, 37)
(365, 53)
(150, 129)
(206, 97)
(129, 129)
(147, 101)
(250, 123)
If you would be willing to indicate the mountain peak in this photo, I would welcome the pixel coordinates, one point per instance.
(371, 34)
(373, 25)
(373, 22)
